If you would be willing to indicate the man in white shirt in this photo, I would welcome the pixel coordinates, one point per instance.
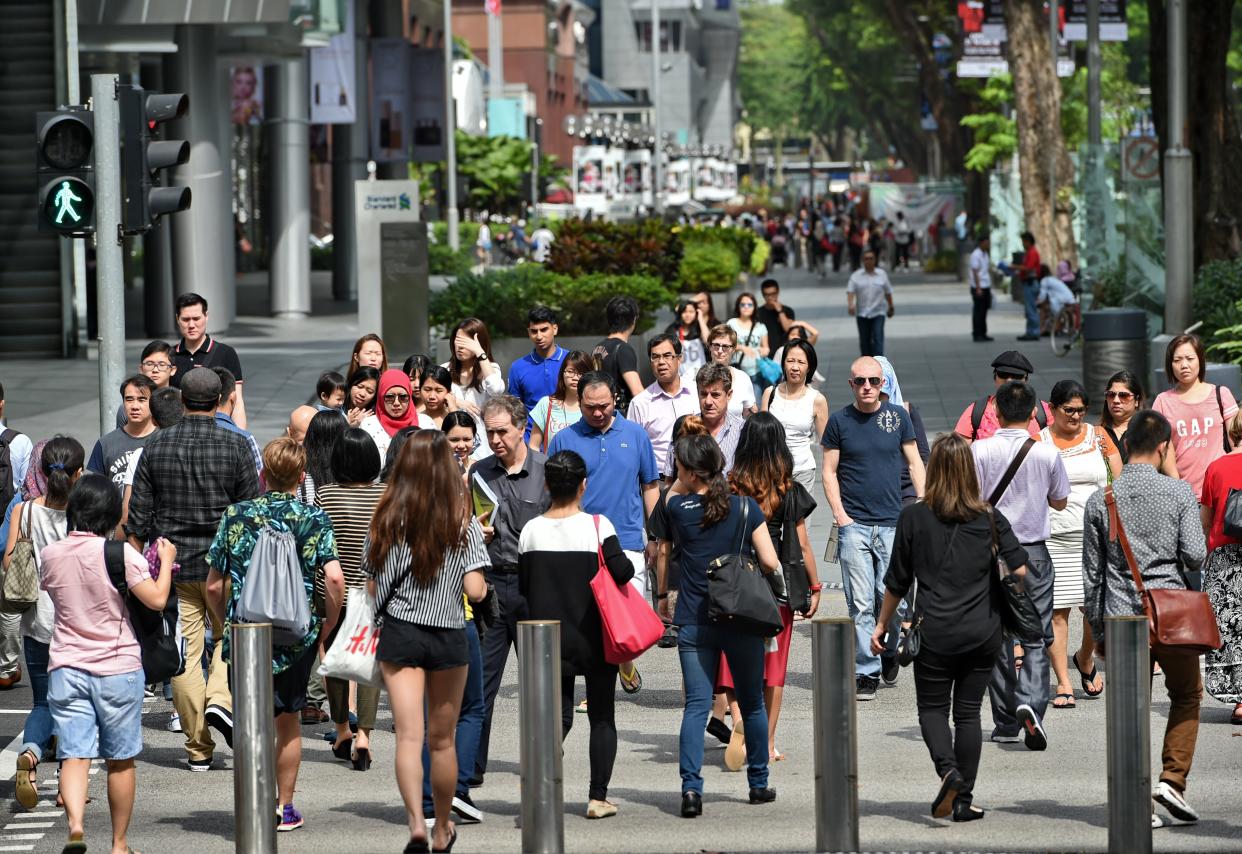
(981, 288)
(903, 236)
(869, 300)
(1054, 295)
(541, 243)
(657, 408)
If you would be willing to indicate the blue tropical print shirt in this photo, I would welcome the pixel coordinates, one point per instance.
(234, 543)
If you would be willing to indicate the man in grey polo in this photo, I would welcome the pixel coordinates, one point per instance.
(1019, 698)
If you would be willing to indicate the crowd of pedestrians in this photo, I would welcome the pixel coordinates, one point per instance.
(454, 500)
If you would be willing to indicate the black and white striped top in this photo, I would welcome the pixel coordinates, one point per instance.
(440, 604)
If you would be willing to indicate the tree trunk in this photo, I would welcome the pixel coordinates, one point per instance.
(1037, 103)
(1211, 131)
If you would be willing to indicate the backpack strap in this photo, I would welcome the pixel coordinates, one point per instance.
(976, 415)
(9, 434)
(1041, 414)
(1010, 472)
(114, 560)
(1224, 428)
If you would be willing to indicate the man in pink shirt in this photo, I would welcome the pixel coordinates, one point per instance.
(659, 405)
(979, 420)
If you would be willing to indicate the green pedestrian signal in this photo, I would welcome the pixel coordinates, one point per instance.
(65, 171)
(68, 203)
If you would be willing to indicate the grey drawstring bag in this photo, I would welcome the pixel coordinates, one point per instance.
(274, 591)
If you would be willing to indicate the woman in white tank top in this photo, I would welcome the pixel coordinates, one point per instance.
(801, 409)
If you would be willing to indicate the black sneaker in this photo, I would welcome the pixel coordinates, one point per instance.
(465, 810)
(865, 687)
(198, 764)
(718, 728)
(221, 720)
(889, 670)
(669, 639)
(1033, 728)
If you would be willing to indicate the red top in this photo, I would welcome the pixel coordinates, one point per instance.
(1224, 474)
(1030, 263)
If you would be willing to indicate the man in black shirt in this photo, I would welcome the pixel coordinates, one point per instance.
(198, 349)
(775, 317)
(616, 357)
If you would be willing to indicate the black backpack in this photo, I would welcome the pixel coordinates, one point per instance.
(158, 632)
(976, 415)
(7, 489)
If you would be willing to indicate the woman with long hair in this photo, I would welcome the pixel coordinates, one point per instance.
(1123, 397)
(558, 557)
(800, 408)
(690, 327)
(350, 498)
(474, 373)
(1222, 575)
(707, 310)
(462, 434)
(1200, 409)
(752, 338)
(559, 409)
(322, 435)
(435, 391)
(394, 410)
(942, 558)
(369, 352)
(706, 522)
(360, 390)
(41, 518)
(417, 575)
(763, 470)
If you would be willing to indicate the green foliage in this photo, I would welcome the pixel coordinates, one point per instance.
(501, 298)
(644, 248)
(1218, 288)
(707, 266)
(772, 72)
(443, 261)
(1110, 288)
(760, 257)
(494, 168)
(321, 257)
(996, 134)
(467, 232)
(944, 261)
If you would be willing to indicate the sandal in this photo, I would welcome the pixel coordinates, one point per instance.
(1088, 679)
(27, 792)
(631, 684)
(74, 846)
(1069, 704)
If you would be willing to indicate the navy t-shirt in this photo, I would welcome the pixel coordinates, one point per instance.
(700, 546)
(871, 462)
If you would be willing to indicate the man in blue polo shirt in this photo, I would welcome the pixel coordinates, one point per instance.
(622, 478)
(534, 376)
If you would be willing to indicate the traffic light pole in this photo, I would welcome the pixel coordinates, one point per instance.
(109, 276)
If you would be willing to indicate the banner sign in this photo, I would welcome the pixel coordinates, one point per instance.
(332, 81)
(391, 123)
(1113, 27)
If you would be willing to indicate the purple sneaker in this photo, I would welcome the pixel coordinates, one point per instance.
(290, 818)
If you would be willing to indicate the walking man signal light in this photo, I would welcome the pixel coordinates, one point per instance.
(65, 171)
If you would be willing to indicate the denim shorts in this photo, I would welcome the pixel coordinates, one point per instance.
(96, 716)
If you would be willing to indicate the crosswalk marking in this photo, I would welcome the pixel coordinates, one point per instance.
(16, 847)
(29, 824)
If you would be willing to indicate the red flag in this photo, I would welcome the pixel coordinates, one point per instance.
(492, 7)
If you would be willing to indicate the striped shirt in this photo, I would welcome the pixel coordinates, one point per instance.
(350, 508)
(439, 604)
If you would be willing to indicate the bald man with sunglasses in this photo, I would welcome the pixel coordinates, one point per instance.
(867, 446)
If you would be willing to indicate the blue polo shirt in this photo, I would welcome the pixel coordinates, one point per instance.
(533, 377)
(618, 462)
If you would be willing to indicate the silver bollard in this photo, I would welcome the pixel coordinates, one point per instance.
(836, 734)
(254, 739)
(1129, 734)
(539, 686)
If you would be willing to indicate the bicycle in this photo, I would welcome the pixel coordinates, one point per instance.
(1066, 328)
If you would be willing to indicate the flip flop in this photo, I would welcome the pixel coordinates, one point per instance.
(1088, 679)
(1067, 705)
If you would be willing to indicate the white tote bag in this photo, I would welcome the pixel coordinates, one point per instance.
(352, 656)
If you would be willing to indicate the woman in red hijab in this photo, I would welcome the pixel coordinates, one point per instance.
(394, 409)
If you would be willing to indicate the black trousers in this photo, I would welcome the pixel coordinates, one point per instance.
(957, 683)
(601, 689)
(496, 643)
(980, 303)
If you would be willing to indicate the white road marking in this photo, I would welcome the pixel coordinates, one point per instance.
(29, 824)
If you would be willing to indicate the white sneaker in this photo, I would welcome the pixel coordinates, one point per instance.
(1174, 801)
(174, 723)
(1157, 821)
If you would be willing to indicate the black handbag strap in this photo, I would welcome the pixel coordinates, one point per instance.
(741, 532)
(1009, 474)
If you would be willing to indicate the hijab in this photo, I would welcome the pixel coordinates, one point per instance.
(390, 379)
(890, 387)
(35, 484)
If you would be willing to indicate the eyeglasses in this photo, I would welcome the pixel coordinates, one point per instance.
(721, 348)
(664, 357)
(874, 382)
(1073, 411)
(1119, 395)
(569, 373)
(156, 366)
(398, 397)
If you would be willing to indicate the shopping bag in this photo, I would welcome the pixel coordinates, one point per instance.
(352, 656)
(630, 626)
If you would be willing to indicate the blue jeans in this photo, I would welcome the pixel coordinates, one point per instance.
(699, 648)
(870, 335)
(39, 727)
(1029, 294)
(864, 551)
(469, 723)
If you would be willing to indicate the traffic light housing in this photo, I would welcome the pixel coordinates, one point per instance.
(65, 171)
(143, 199)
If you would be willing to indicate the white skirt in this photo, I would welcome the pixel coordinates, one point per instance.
(1065, 549)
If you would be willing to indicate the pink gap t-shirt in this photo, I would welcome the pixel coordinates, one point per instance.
(1198, 431)
(991, 423)
(92, 631)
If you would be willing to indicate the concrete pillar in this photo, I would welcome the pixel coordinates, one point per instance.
(349, 164)
(203, 244)
(289, 135)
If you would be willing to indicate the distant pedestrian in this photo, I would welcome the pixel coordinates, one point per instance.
(615, 355)
(903, 236)
(869, 300)
(198, 349)
(980, 289)
(534, 376)
(330, 392)
(226, 410)
(979, 420)
(1028, 274)
(1222, 573)
(752, 339)
(690, 328)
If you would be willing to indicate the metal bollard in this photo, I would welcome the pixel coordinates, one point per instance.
(254, 739)
(1129, 735)
(539, 686)
(836, 735)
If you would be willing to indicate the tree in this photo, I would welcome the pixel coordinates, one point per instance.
(772, 71)
(1041, 145)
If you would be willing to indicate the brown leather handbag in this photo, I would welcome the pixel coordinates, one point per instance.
(1179, 619)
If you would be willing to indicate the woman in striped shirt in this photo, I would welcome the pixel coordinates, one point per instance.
(350, 502)
(418, 573)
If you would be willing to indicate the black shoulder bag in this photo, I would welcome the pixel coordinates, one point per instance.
(737, 594)
(1019, 616)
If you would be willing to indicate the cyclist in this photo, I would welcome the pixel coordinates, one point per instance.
(1054, 295)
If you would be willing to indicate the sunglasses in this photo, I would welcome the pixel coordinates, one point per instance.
(721, 348)
(1119, 395)
(874, 382)
(745, 305)
(396, 398)
(1073, 411)
(1011, 377)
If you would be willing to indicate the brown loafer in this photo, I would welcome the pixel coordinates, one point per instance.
(8, 682)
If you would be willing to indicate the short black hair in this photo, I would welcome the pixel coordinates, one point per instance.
(541, 314)
(166, 407)
(415, 365)
(769, 283)
(812, 360)
(329, 383)
(186, 300)
(1065, 391)
(591, 378)
(664, 338)
(1148, 430)
(143, 382)
(563, 473)
(355, 459)
(1026, 235)
(621, 314)
(459, 418)
(94, 505)
(1015, 402)
(155, 347)
(228, 382)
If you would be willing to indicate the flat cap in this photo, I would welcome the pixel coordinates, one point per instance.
(201, 385)
(1009, 362)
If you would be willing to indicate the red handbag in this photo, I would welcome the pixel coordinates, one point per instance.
(630, 625)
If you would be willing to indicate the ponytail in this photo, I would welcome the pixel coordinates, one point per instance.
(716, 501)
(61, 460)
(701, 455)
